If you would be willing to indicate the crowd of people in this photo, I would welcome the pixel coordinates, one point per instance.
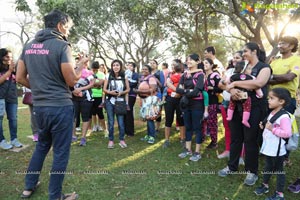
(245, 92)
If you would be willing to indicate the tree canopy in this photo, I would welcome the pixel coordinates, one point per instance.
(139, 30)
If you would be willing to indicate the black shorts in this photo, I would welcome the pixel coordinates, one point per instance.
(95, 109)
(85, 108)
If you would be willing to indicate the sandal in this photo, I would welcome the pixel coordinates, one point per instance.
(71, 196)
(31, 191)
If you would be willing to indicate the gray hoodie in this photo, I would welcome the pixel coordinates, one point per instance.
(43, 58)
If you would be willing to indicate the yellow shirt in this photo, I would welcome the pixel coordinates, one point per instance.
(282, 66)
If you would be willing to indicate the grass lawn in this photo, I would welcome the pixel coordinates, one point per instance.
(141, 171)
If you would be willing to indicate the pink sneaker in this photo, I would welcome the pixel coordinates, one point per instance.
(122, 144)
(35, 137)
(225, 154)
(110, 145)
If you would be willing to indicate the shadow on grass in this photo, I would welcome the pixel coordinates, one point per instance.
(141, 171)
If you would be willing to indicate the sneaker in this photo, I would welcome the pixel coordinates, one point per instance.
(151, 140)
(263, 189)
(166, 144)
(99, 128)
(195, 157)
(250, 179)
(16, 143)
(287, 162)
(78, 129)
(295, 187)
(225, 154)
(275, 196)
(110, 144)
(122, 144)
(185, 153)
(106, 133)
(74, 138)
(35, 137)
(241, 161)
(177, 128)
(212, 145)
(4, 145)
(94, 129)
(82, 142)
(146, 138)
(224, 172)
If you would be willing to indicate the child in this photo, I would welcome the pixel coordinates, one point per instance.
(241, 74)
(84, 82)
(273, 146)
(210, 125)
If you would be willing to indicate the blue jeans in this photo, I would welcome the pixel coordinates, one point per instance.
(11, 112)
(55, 127)
(192, 121)
(111, 121)
(151, 128)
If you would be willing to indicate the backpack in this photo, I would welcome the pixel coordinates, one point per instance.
(293, 141)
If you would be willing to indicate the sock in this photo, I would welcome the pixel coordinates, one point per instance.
(229, 114)
(246, 116)
(266, 185)
(280, 193)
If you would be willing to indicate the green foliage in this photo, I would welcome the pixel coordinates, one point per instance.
(131, 29)
(22, 5)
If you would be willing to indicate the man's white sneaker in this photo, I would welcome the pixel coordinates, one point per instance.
(4, 145)
(16, 143)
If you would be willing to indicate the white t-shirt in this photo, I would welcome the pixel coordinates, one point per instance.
(271, 142)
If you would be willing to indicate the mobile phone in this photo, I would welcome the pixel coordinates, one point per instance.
(243, 95)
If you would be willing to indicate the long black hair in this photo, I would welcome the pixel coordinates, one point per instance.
(121, 73)
(261, 54)
(282, 94)
(3, 52)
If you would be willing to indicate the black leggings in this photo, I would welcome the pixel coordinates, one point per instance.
(249, 136)
(84, 107)
(274, 165)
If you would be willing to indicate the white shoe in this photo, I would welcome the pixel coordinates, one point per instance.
(95, 129)
(78, 129)
(4, 145)
(225, 154)
(241, 161)
(99, 128)
(16, 143)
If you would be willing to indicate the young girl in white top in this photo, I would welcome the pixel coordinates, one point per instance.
(273, 146)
